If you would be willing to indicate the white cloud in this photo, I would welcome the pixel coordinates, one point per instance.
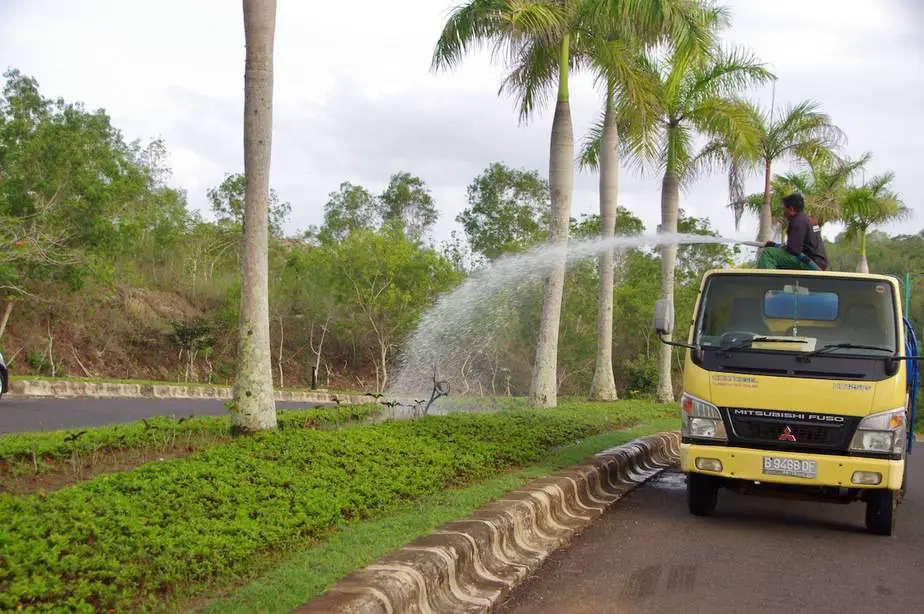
(355, 100)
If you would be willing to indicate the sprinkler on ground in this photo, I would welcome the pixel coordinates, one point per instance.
(440, 389)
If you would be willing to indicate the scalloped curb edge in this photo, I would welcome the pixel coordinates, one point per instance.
(469, 565)
(105, 390)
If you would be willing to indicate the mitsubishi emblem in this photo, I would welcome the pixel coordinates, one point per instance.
(787, 435)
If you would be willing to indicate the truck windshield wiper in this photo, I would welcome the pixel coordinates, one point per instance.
(746, 343)
(852, 346)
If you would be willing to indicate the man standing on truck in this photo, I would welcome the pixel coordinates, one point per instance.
(804, 247)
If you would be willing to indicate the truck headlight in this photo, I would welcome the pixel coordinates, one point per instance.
(700, 419)
(883, 432)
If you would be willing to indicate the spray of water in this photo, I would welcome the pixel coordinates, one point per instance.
(466, 323)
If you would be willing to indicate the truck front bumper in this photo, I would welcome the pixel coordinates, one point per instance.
(829, 470)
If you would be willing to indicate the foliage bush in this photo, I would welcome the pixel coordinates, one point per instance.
(128, 540)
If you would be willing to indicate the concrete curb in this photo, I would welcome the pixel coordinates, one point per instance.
(469, 565)
(100, 390)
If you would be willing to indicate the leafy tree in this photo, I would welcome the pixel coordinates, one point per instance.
(385, 280)
(74, 196)
(351, 208)
(254, 406)
(407, 202)
(227, 202)
(507, 211)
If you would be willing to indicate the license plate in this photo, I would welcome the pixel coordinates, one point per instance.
(795, 467)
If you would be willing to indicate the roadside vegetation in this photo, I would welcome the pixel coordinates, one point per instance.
(170, 528)
(51, 460)
(113, 277)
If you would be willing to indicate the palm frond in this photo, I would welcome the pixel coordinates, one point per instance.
(621, 67)
(804, 132)
(470, 26)
(734, 69)
(506, 26)
(716, 155)
(589, 155)
(534, 77)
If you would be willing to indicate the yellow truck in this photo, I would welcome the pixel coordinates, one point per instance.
(800, 384)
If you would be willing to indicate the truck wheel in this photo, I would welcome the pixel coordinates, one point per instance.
(880, 512)
(702, 494)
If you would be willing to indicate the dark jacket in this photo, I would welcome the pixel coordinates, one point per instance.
(804, 237)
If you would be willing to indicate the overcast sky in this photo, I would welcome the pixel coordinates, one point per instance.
(355, 100)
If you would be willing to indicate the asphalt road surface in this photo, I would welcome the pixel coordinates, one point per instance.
(48, 414)
(648, 555)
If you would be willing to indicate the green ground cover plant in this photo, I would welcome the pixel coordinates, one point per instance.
(165, 530)
(308, 572)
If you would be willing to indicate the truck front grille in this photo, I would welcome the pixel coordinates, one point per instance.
(805, 431)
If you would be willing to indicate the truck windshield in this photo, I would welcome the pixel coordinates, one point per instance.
(841, 316)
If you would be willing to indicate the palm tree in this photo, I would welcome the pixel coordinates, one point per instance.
(531, 32)
(798, 132)
(614, 58)
(823, 186)
(537, 37)
(869, 205)
(694, 95)
(254, 406)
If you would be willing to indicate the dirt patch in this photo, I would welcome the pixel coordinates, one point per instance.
(53, 474)
(151, 308)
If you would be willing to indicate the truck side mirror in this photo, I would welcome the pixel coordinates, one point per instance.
(663, 320)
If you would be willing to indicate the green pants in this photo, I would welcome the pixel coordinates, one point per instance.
(777, 258)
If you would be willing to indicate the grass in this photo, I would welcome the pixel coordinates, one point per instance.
(165, 531)
(308, 573)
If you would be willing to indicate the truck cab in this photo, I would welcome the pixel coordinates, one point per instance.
(799, 384)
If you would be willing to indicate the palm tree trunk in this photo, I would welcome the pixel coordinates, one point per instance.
(863, 265)
(670, 198)
(766, 215)
(543, 390)
(254, 406)
(603, 386)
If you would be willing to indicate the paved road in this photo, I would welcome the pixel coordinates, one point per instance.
(47, 414)
(756, 555)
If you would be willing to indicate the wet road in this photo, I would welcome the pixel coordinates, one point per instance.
(756, 555)
(47, 414)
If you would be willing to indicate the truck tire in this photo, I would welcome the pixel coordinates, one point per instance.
(880, 512)
(702, 494)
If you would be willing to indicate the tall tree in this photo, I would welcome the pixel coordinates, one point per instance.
(532, 31)
(870, 204)
(695, 94)
(254, 406)
(614, 56)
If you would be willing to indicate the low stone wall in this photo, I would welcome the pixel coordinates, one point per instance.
(470, 565)
(100, 390)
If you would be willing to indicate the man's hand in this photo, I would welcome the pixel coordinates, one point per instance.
(771, 244)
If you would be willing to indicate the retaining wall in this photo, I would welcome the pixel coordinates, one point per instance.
(100, 390)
